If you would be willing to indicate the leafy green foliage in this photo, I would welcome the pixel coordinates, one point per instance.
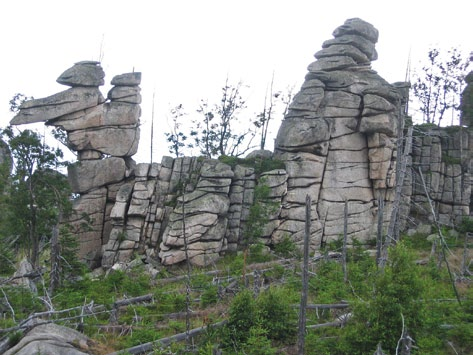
(258, 342)
(22, 300)
(36, 192)
(254, 323)
(209, 296)
(392, 306)
(262, 324)
(17, 100)
(259, 213)
(7, 257)
(286, 248)
(276, 314)
(241, 317)
(466, 105)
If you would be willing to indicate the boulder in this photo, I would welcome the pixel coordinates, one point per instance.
(303, 135)
(105, 139)
(52, 339)
(383, 123)
(127, 79)
(356, 26)
(87, 175)
(128, 94)
(85, 73)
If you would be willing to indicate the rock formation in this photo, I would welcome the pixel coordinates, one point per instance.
(52, 339)
(338, 142)
(104, 133)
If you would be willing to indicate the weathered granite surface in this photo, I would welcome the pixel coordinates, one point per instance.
(52, 339)
(338, 142)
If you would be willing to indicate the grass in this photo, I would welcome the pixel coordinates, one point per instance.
(211, 300)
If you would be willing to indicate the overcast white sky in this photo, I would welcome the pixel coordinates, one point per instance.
(186, 48)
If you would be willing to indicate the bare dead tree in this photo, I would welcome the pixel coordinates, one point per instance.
(345, 237)
(152, 130)
(305, 280)
(441, 237)
(466, 253)
(401, 167)
(379, 236)
(126, 302)
(54, 274)
(8, 304)
(188, 266)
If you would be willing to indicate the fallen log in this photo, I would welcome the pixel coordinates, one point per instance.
(126, 302)
(324, 306)
(144, 348)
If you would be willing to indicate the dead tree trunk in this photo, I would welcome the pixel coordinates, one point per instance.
(379, 236)
(305, 280)
(345, 237)
(149, 347)
(54, 275)
(188, 265)
(393, 228)
(126, 302)
(443, 244)
(466, 261)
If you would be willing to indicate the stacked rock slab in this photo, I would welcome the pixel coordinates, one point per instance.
(338, 140)
(104, 134)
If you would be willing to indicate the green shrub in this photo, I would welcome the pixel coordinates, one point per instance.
(141, 336)
(328, 284)
(242, 316)
(22, 300)
(392, 305)
(235, 265)
(417, 241)
(179, 302)
(14, 338)
(7, 259)
(258, 342)
(209, 296)
(276, 314)
(286, 248)
(257, 253)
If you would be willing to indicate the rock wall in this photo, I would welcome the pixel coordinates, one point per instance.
(442, 158)
(338, 143)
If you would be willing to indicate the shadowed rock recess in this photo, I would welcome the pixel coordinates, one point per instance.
(338, 142)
